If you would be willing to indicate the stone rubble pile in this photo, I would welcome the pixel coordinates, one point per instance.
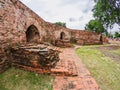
(35, 56)
(40, 58)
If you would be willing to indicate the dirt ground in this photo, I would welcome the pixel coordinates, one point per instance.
(110, 49)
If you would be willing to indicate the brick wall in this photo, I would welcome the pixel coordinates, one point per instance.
(16, 19)
(87, 38)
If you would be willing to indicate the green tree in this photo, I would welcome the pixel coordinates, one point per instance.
(95, 26)
(61, 24)
(117, 34)
(109, 35)
(107, 11)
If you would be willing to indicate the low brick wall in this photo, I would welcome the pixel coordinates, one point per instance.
(83, 37)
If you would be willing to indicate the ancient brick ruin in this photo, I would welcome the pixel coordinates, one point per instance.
(20, 25)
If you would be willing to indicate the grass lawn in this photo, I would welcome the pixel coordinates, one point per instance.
(15, 79)
(117, 52)
(105, 70)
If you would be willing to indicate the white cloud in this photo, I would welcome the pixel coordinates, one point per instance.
(116, 28)
(26, 1)
(63, 10)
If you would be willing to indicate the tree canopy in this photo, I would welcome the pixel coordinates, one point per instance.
(117, 35)
(95, 26)
(107, 11)
(61, 24)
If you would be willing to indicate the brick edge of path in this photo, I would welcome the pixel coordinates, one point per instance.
(83, 81)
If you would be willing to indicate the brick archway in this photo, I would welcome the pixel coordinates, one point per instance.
(62, 36)
(32, 34)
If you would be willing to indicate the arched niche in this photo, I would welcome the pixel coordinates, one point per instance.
(32, 34)
(62, 36)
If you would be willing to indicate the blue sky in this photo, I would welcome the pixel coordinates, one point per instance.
(75, 13)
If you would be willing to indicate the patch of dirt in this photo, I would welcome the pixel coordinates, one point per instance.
(111, 47)
(108, 51)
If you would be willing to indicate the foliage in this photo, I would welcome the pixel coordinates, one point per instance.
(95, 26)
(108, 12)
(110, 35)
(61, 24)
(117, 34)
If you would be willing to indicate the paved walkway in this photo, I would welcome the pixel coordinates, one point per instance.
(83, 80)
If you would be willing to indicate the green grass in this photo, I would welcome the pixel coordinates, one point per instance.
(116, 51)
(104, 70)
(15, 79)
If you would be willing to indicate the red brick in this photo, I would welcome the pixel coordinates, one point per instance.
(83, 80)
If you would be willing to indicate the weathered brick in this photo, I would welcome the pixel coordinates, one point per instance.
(16, 19)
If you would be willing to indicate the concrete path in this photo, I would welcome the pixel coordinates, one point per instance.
(83, 80)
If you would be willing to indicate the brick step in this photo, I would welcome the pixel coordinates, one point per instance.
(53, 71)
(32, 69)
(68, 66)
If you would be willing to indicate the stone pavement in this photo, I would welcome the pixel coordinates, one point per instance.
(81, 79)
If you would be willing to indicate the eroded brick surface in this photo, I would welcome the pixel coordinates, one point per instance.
(83, 80)
(42, 59)
(16, 18)
(38, 56)
(19, 24)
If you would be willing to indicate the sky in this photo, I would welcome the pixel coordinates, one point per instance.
(75, 13)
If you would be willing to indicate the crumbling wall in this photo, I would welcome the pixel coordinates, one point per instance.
(16, 18)
(5, 63)
(86, 38)
(52, 32)
(38, 56)
(104, 39)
